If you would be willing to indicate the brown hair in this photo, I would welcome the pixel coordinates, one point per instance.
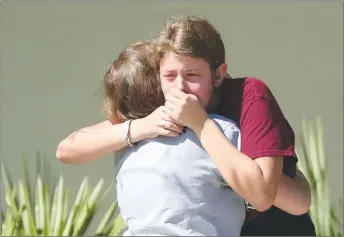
(131, 86)
(195, 37)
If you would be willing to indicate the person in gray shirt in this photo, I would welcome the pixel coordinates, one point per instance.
(170, 186)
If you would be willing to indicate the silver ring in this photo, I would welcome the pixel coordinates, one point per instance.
(164, 124)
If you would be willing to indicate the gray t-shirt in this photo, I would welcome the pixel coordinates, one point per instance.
(170, 186)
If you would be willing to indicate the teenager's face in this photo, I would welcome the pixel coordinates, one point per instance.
(188, 74)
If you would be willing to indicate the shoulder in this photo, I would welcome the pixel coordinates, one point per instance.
(224, 123)
(238, 94)
(258, 102)
(238, 91)
(247, 88)
(254, 88)
(229, 127)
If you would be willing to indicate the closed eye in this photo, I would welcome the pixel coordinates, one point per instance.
(192, 75)
(169, 75)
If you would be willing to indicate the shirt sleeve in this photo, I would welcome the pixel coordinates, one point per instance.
(266, 132)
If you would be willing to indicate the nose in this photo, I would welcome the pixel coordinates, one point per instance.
(181, 83)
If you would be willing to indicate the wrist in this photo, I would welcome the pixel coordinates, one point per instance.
(201, 124)
(137, 130)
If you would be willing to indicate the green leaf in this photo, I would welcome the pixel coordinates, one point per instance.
(53, 208)
(68, 227)
(26, 179)
(118, 227)
(313, 163)
(96, 192)
(82, 220)
(47, 227)
(75, 208)
(40, 207)
(5, 177)
(65, 206)
(10, 199)
(7, 229)
(57, 230)
(105, 221)
(27, 216)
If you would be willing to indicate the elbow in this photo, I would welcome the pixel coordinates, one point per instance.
(264, 203)
(300, 212)
(61, 154)
(307, 202)
(264, 199)
(64, 155)
(304, 206)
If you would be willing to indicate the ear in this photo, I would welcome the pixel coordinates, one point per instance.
(220, 74)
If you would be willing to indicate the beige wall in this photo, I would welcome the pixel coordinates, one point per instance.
(53, 56)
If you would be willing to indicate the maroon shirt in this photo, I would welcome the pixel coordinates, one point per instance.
(264, 132)
(264, 129)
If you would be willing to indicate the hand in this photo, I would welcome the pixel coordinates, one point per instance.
(185, 109)
(159, 123)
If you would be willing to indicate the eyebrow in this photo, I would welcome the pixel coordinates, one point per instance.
(193, 69)
(187, 70)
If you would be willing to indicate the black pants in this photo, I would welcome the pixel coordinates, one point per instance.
(276, 222)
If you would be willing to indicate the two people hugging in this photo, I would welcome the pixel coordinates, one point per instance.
(197, 152)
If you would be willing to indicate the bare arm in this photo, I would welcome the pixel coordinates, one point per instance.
(294, 194)
(90, 143)
(256, 180)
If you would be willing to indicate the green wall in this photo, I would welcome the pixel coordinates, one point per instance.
(53, 56)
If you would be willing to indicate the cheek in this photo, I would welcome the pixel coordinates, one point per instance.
(165, 86)
(203, 91)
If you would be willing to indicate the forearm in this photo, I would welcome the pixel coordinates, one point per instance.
(239, 171)
(90, 143)
(294, 195)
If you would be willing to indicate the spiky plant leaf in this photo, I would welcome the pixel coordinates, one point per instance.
(48, 214)
(313, 164)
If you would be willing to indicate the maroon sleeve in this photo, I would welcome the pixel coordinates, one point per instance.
(266, 132)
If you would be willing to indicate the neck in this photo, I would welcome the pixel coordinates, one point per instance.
(215, 99)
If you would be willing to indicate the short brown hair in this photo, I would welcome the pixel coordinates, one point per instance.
(195, 37)
(131, 86)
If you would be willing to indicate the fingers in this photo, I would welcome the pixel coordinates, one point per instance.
(169, 133)
(169, 105)
(169, 125)
(176, 93)
(170, 114)
(172, 99)
(166, 115)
